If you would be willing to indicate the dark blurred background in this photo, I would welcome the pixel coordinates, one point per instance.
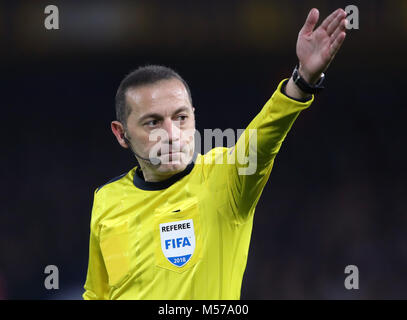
(337, 193)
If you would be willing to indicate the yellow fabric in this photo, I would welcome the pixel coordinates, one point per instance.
(126, 259)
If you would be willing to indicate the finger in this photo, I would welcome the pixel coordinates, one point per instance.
(329, 19)
(311, 21)
(335, 22)
(339, 29)
(337, 43)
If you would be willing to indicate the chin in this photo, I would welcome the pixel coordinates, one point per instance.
(173, 163)
(172, 168)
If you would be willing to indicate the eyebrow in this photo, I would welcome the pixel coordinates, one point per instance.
(159, 116)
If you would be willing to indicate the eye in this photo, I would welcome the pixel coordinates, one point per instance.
(182, 117)
(151, 123)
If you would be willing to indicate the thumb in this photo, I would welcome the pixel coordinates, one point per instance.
(311, 21)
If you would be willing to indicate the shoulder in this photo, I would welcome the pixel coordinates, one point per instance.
(111, 181)
(213, 162)
(215, 156)
(116, 184)
(109, 195)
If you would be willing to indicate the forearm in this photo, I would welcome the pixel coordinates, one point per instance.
(273, 122)
(271, 125)
(292, 90)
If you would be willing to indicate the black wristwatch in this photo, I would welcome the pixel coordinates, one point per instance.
(305, 86)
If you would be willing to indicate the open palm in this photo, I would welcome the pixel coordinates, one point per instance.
(316, 48)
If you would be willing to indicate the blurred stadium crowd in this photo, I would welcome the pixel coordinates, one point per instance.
(337, 193)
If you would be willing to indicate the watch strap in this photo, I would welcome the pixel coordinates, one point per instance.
(304, 85)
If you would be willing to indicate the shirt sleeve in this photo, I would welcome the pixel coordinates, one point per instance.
(256, 149)
(96, 286)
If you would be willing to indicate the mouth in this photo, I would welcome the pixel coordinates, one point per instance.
(171, 153)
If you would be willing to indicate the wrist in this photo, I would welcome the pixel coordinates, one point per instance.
(294, 92)
(306, 85)
(308, 77)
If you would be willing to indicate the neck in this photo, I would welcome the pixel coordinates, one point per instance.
(154, 176)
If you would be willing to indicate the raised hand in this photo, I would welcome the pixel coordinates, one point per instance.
(317, 48)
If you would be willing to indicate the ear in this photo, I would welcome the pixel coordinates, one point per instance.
(119, 132)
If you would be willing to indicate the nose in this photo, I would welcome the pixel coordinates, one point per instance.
(173, 131)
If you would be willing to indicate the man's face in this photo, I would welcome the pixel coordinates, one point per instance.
(161, 125)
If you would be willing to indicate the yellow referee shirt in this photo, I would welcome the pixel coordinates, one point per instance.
(186, 237)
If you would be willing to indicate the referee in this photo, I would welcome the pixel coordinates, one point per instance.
(178, 225)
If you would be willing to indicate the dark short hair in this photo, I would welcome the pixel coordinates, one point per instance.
(144, 75)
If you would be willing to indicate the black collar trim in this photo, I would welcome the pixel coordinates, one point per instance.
(140, 183)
